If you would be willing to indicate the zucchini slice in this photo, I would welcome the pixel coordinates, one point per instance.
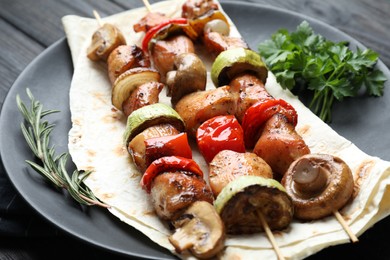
(151, 115)
(243, 200)
(232, 62)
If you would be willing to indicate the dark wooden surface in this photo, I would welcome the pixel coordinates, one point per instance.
(27, 27)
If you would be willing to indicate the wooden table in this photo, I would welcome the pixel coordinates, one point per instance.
(27, 27)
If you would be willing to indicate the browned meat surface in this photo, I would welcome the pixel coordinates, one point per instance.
(279, 145)
(251, 90)
(165, 51)
(136, 147)
(150, 20)
(228, 165)
(145, 94)
(216, 43)
(173, 192)
(197, 107)
(124, 58)
(194, 8)
(235, 99)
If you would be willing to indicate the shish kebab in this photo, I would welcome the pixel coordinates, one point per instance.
(248, 83)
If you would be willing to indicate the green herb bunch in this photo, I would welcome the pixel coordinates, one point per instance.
(304, 60)
(53, 168)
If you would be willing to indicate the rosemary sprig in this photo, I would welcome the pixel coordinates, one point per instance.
(37, 134)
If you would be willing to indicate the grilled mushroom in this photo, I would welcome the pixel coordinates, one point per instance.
(199, 230)
(319, 185)
(190, 76)
(104, 41)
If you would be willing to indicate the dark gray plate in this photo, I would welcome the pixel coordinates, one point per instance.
(364, 121)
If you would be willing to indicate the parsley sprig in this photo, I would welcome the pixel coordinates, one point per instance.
(52, 167)
(303, 60)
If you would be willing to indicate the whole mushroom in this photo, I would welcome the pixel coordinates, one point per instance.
(199, 230)
(104, 41)
(190, 76)
(319, 185)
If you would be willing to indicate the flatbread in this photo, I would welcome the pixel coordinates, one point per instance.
(95, 143)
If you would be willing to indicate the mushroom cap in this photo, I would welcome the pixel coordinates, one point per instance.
(190, 76)
(324, 194)
(199, 230)
(104, 41)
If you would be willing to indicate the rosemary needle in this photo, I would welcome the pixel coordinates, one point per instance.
(37, 132)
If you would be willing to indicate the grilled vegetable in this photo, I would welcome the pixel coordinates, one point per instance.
(190, 75)
(200, 106)
(168, 164)
(104, 41)
(219, 133)
(151, 115)
(128, 81)
(205, 23)
(243, 200)
(319, 185)
(199, 230)
(158, 147)
(233, 62)
(218, 26)
(252, 90)
(165, 51)
(167, 29)
(137, 146)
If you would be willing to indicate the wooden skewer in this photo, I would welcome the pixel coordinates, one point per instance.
(147, 5)
(270, 236)
(346, 227)
(97, 17)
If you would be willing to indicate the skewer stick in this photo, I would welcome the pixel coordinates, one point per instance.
(270, 236)
(147, 5)
(97, 17)
(346, 227)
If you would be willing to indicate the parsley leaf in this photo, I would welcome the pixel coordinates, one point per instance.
(303, 60)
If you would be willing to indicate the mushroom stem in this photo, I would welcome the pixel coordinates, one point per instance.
(270, 236)
(309, 178)
(346, 227)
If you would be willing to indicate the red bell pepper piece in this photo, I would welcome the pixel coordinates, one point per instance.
(167, 145)
(168, 163)
(152, 32)
(220, 133)
(256, 115)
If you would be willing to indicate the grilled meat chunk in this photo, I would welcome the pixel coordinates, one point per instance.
(173, 192)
